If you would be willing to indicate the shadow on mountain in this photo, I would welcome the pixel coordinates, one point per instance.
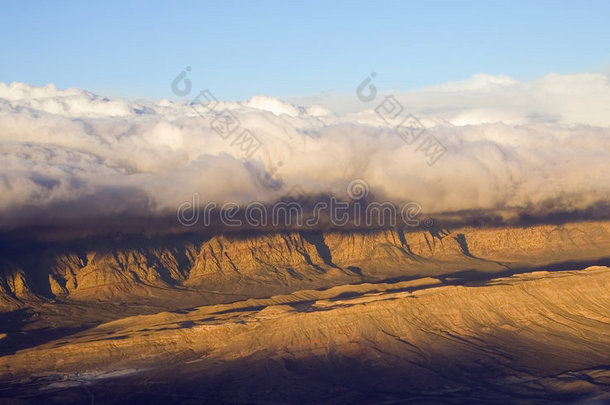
(18, 337)
(317, 240)
(476, 277)
(364, 374)
(473, 277)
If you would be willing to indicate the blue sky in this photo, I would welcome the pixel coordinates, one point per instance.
(284, 49)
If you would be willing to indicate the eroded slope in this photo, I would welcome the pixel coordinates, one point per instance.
(540, 337)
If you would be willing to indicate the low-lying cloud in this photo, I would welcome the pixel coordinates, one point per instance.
(72, 159)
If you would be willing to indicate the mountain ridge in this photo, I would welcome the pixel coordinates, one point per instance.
(222, 268)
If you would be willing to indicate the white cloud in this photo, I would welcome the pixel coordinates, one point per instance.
(578, 99)
(538, 146)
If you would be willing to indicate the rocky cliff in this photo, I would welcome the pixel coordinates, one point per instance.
(229, 267)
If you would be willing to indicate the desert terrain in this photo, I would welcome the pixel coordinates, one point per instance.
(468, 315)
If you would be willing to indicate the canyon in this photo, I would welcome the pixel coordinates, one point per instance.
(466, 315)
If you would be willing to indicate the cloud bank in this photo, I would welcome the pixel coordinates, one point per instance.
(71, 158)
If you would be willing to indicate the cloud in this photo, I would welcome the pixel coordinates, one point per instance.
(71, 158)
(578, 99)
